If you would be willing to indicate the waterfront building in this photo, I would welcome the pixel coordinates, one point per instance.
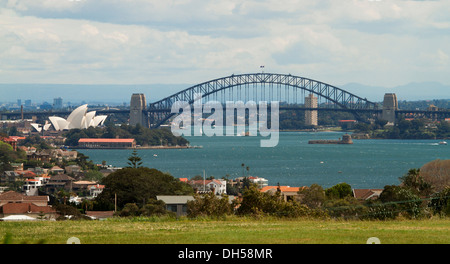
(107, 143)
(80, 118)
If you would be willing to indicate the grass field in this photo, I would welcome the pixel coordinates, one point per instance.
(229, 231)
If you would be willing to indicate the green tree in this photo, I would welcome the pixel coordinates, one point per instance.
(415, 182)
(134, 161)
(440, 202)
(93, 175)
(139, 185)
(130, 209)
(398, 200)
(339, 191)
(209, 205)
(257, 203)
(313, 197)
(155, 208)
(6, 156)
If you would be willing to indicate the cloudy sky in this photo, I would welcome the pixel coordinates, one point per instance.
(379, 43)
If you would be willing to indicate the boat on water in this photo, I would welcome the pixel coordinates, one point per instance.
(443, 143)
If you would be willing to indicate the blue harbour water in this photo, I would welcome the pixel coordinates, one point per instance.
(369, 163)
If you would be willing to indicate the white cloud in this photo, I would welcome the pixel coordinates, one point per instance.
(190, 41)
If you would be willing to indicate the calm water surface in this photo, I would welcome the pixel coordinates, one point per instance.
(370, 163)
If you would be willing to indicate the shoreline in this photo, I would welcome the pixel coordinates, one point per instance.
(147, 147)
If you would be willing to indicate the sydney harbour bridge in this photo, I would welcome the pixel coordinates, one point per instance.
(292, 92)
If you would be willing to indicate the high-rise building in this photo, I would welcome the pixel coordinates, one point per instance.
(311, 118)
(137, 106)
(57, 103)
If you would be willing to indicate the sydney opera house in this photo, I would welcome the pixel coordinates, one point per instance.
(80, 118)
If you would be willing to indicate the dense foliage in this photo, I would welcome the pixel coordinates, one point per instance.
(143, 136)
(406, 129)
(8, 156)
(139, 186)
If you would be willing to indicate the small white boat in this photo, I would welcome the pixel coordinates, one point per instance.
(443, 143)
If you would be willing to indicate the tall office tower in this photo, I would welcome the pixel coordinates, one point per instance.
(390, 105)
(137, 106)
(311, 118)
(58, 103)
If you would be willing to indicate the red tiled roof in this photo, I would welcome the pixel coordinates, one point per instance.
(106, 140)
(200, 182)
(366, 193)
(22, 208)
(15, 196)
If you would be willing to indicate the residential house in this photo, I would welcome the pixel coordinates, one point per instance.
(68, 155)
(219, 186)
(16, 204)
(56, 170)
(95, 190)
(17, 166)
(31, 186)
(73, 169)
(41, 156)
(260, 182)
(10, 176)
(79, 186)
(367, 194)
(58, 182)
(287, 193)
(176, 203)
(26, 174)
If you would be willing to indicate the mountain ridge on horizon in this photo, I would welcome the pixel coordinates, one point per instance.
(121, 93)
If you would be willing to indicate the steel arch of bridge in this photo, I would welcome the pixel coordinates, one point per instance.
(340, 98)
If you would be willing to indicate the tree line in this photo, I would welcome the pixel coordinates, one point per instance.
(143, 136)
(406, 129)
(422, 193)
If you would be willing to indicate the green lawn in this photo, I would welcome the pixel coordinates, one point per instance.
(230, 231)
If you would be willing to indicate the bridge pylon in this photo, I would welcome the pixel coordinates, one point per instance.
(390, 106)
(138, 105)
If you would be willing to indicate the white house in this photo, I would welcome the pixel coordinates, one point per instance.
(31, 185)
(219, 186)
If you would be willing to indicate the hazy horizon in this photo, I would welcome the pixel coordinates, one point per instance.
(121, 93)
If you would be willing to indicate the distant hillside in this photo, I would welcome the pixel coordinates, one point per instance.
(410, 92)
(119, 94)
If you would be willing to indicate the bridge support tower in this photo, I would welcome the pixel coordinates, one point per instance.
(138, 105)
(311, 118)
(390, 106)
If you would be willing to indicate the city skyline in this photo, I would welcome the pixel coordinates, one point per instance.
(374, 44)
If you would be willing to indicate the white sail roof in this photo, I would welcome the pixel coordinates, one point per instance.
(80, 118)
